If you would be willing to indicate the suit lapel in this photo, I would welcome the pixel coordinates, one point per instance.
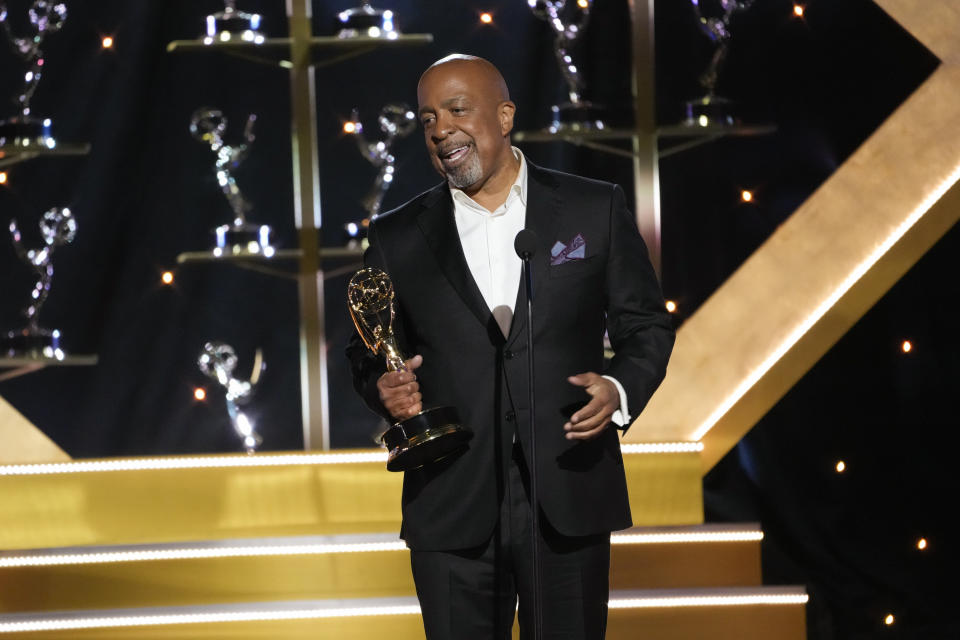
(543, 218)
(438, 226)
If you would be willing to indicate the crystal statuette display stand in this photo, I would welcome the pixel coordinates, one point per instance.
(218, 361)
(240, 238)
(711, 109)
(300, 53)
(57, 228)
(577, 114)
(22, 137)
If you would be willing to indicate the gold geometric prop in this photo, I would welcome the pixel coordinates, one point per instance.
(23, 442)
(843, 248)
(806, 286)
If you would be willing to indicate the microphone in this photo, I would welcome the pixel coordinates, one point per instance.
(525, 244)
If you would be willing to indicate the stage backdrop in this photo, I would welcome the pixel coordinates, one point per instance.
(147, 192)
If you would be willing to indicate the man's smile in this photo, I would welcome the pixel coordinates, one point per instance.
(452, 154)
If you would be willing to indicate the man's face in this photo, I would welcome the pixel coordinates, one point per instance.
(465, 123)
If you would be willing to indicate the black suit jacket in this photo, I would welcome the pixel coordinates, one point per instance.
(467, 363)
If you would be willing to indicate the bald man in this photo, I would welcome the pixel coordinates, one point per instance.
(449, 252)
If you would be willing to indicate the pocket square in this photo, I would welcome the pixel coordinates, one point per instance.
(576, 249)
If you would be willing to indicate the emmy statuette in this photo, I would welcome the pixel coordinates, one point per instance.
(26, 131)
(433, 433)
(241, 238)
(711, 109)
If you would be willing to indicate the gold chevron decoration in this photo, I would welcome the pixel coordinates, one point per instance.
(843, 248)
(22, 441)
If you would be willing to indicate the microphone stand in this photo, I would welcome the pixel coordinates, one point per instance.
(526, 245)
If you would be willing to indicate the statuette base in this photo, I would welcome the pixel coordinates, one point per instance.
(244, 240)
(233, 26)
(367, 22)
(577, 117)
(41, 344)
(429, 436)
(709, 111)
(25, 133)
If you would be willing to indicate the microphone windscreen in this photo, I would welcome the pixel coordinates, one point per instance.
(526, 244)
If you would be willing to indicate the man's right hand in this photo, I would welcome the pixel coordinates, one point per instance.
(400, 391)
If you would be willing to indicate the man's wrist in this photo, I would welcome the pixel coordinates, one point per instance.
(621, 416)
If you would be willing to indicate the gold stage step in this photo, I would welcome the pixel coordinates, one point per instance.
(317, 567)
(178, 499)
(680, 614)
(304, 546)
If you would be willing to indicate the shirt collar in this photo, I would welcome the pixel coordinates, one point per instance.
(518, 189)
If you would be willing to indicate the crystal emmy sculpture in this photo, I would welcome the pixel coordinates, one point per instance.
(714, 18)
(218, 361)
(232, 25)
(366, 22)
(57, 228)
(569, 21)
(241, 238)
(25, 131)
(396, 121)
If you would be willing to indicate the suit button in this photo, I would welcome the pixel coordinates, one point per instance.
(508, 354)
(510, 416)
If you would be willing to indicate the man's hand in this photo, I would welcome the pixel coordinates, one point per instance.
(590, 421)
(400, 391)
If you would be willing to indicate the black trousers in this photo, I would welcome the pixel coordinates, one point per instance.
(471, 594)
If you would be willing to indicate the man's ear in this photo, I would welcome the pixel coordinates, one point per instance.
(507, 109)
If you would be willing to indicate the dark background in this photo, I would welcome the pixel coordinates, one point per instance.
(147, 192)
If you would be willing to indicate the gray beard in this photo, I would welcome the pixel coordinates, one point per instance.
(467, 174)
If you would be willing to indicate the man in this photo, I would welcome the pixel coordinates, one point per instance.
(450, 255)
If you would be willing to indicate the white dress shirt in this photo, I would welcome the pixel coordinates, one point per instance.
(487, 239)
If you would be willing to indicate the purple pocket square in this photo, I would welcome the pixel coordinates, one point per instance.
(576, 249)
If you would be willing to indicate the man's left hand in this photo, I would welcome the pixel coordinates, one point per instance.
(590, 421)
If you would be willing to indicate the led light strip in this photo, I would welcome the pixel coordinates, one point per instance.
(662, 447)
(212, 462)
(267, 550)
(196, 553)
(73, 622)
(685, 536)
(708, 601)
(62, 624)
(264, 460)
(858, 272)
